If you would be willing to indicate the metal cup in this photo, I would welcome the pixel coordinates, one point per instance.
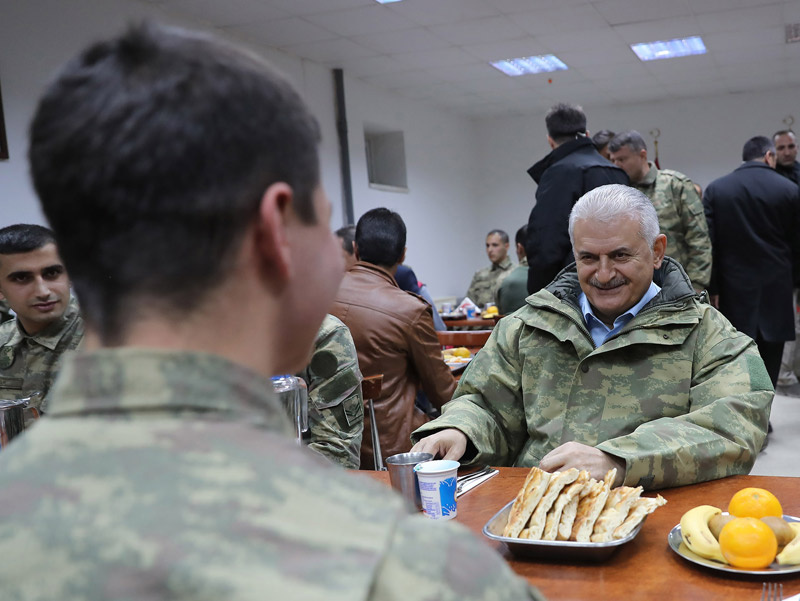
(403, 478)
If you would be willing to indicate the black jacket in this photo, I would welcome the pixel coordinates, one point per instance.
(564, 175)
(753, 219)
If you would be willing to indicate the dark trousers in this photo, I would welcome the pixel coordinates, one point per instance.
(771, 353)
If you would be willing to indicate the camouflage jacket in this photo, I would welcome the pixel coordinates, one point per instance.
(29, 364)
(678, 393)
(5, 311)
(335, 405)
(174, 476)
(485, 282)
(682, 219)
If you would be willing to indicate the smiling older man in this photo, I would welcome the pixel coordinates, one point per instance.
(617, 363)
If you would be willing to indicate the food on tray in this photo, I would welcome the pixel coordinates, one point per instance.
(751, 537)
(490, 312)
(456, 356)
(570, 505)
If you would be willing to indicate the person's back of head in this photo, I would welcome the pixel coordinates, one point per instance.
(151, 154)
(347, 235)
(601, 140)
(759, 148)
(520, 239)
(381, 238)
(564, 122)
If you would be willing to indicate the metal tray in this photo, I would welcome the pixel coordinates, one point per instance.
(552, 549)
(675, 540)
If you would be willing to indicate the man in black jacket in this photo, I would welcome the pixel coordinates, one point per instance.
(786, 152)
(754, 222)
(572, 169)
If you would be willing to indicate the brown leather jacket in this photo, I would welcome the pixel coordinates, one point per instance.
(394, 336)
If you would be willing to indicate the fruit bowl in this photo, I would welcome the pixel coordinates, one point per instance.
(675, 541)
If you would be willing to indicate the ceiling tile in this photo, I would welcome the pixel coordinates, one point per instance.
(521, 6)
(374, 19)
(372, 65)
(469, 72)
(733, 40)
(700, 7)
(560, 20)
(407, 40)
(435, 58)
(619, 12)
(403, 78)
(438, 12)
(490, 29)
(330, 52)
(659, 30)
(308, 7)
(232, 12)
(742, 19)
(598, 41)
(284, 32)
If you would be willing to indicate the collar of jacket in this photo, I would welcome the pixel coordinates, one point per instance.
(579, 144)
(650, 178)
(503, 265)
(791, 172)
(676, 291)
(754, 165)
(382, 272)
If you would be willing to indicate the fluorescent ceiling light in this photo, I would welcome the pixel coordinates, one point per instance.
(529, 64)
(386, 1)
(669, 49)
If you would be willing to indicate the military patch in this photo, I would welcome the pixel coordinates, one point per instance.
(6, 357)
(324, 364)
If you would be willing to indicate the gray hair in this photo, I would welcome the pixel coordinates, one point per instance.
(609, 204)
(632, 139)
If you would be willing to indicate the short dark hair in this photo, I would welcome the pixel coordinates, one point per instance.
(503, 235)
(381, 237)
(782, 132)
(522, 235)
(602, 138)
(630, 138)
(756, 147)
(565, 121)
(151, 152)
(347, 234)
(24, 238)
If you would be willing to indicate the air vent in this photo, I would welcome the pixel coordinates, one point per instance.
(793, 33)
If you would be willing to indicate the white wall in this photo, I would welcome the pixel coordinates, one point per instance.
(701, 137)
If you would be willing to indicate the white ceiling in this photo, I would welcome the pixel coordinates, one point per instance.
(439, 50)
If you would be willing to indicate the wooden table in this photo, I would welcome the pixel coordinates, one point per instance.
(646, 568)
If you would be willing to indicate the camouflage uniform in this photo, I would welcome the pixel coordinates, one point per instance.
(5, 311)
(678, 393)
(513, 290)
(485, 282)
(29, 364)
(682, 219)
(335, 404)
(173, 475)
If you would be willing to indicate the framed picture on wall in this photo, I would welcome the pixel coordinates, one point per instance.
(3, 139)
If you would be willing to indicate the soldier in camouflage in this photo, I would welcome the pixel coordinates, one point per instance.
(166, 469)
(485, 282)
(679, 208)
(335, 404)
(48, 322)
(618, 363)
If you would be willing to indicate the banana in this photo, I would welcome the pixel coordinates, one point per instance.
(791, 552)
(697, 535)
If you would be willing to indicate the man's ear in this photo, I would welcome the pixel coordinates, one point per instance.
(659, 248)
(403, 258)
(272, 241)
(355, 251)
(551, 142)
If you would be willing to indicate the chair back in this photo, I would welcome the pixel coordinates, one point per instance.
(468, 338)
(371, 389)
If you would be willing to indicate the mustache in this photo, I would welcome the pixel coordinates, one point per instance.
(615, 283)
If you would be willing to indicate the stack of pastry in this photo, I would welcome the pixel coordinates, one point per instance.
(570, 505)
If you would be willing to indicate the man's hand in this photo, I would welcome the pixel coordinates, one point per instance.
(446, 444)
(714, 300)
(583, 457)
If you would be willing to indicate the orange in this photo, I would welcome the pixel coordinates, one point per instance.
(754, 503)
(748, 543)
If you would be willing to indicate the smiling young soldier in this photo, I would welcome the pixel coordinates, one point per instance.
(34, 282)
(199, 245)
(617, 363)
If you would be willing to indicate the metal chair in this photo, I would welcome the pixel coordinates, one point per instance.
(371, 389)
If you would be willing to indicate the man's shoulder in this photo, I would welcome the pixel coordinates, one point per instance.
(9, 333)
(673, 177)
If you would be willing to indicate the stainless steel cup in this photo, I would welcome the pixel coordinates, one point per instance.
(403, 478)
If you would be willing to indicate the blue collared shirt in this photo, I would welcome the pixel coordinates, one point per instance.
(600, 331)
